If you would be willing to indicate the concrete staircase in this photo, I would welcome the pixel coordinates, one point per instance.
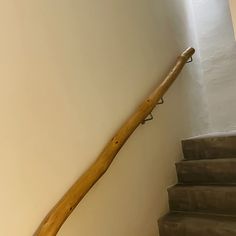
(203, 203)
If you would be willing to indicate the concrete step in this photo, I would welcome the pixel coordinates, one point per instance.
(182, 224)
(209, 171)
(206, 199)
(221, 145)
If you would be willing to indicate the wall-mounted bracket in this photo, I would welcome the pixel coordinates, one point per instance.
(150, 116)
(191, 60)
(161, 101)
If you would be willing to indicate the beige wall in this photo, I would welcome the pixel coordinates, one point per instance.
(232, 5)
(71, 73)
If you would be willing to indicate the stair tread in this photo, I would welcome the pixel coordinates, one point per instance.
(216, 187)
(210, 160)
(186, 224)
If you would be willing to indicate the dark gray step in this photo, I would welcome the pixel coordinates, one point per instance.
(210, 171)
(182, 224)
(207, 199)
(211, 146)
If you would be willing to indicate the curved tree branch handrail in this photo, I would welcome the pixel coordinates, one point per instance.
(57, 216)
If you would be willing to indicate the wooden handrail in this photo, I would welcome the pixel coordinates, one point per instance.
(57, 216)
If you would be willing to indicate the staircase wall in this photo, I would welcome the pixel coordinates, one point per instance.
(217, 46)
(71, 72)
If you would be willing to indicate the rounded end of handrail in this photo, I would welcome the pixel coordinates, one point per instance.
(188, 53)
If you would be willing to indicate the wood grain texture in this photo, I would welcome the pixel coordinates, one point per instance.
(57, 216)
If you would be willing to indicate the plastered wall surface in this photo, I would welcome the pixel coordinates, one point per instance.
(217, 48)
(71, 73)
(194, 91)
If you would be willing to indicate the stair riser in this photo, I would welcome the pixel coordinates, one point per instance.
(207, 172)
(220, 200)
(207, 148)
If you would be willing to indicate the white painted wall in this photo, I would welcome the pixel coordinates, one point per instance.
(71, 73)
(218, 57)
(183, 25)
